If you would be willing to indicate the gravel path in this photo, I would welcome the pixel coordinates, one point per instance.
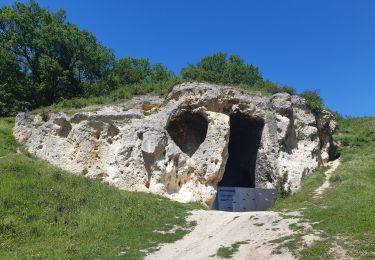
(217, 228)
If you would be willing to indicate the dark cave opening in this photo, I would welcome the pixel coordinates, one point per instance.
(188, 130)
(244, 142)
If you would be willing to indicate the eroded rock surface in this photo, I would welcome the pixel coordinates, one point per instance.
(178, 148)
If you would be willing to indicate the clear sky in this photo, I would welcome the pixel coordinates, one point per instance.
(308, 44)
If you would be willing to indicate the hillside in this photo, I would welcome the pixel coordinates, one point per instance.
(180, 133)
(48, 213)
(346, 210)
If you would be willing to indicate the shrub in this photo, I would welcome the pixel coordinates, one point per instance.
(219, 68)
(314, 101)
(280, 185)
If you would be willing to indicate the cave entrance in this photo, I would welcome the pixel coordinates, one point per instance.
(244, 141)
(236, 191)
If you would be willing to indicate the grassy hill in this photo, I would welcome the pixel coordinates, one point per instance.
(346, 212)
(48, 213)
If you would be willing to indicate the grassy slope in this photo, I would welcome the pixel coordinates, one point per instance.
(48, 213)
(348, 207)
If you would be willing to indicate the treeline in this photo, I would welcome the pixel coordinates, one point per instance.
(44, 59)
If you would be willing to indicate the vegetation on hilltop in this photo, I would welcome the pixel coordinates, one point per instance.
(218, 68)
(46, 60)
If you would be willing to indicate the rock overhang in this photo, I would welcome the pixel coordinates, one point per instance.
(180, 149)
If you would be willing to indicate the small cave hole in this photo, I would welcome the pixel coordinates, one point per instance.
(188, 130)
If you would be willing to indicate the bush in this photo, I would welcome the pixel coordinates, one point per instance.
(218, 68)
(280, 185)
(314, 101)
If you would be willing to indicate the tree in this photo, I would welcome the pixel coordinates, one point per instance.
(237, 72)
(160, 73)
(14, 96)
(131, 70)
(219, 69)
(54, 58)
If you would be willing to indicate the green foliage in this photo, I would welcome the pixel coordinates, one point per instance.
(130, 73)
(313, 100)
(46, 213)
(48, 58)
(218, 68)
(13, 94)
(130, 70)
(280, 185)
(45, 60)
(160, 73)
(44, 113)
(287, 89)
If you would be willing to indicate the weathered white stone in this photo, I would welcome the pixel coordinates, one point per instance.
(180, 150)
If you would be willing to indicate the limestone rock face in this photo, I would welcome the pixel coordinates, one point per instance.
(179, 147)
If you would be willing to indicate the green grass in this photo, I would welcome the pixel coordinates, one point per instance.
(302, 198)
(46, 213)
(228, 251)
(319, 250)
(7, 143)
(292, 243)
(347, 209)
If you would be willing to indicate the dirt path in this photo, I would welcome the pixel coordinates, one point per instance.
(333, 166)
(255, 231)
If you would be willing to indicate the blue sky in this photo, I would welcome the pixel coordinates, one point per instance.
(309, 44)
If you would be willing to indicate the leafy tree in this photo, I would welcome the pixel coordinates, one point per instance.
(54, 58)
(160, 73)
(131, 70)
(218, 68)
(237, 72)
(13, 95)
